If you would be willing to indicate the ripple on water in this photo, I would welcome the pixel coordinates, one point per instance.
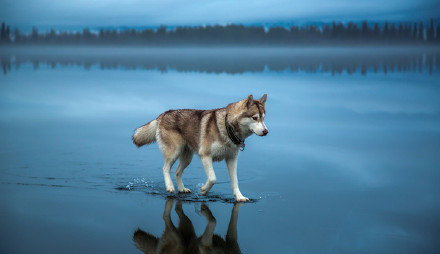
(157, 188)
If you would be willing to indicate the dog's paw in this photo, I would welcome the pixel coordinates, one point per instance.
(178, 208)
(185, 190)
(241, 198)
(204, 209)
(203, 191)
(170, 189)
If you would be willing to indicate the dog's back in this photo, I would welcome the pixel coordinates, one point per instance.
(186, 124)
(183, 123)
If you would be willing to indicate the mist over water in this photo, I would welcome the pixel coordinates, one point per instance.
(351, 162)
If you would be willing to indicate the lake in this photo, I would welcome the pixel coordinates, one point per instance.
(351, 163)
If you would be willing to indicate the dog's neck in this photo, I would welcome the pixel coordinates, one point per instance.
(235, 132)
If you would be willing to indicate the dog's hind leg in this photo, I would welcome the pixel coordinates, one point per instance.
(171, 144)
(167, 215)
(184, 160)
(169, 162)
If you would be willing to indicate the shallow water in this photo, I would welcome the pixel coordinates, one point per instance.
(351, 163)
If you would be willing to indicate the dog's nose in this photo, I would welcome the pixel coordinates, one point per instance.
(265, 132)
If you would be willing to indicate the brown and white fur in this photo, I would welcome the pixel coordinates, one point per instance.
(181, 133)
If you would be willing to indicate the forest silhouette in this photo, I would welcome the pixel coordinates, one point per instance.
(311, 34)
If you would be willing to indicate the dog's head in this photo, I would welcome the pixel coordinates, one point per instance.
(250, 115)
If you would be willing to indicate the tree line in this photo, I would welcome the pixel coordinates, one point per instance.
(334, 33)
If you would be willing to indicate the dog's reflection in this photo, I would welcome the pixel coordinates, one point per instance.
(183, 239)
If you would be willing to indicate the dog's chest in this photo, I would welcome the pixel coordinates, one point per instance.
(219, 151)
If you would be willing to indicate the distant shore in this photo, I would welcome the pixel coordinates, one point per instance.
(205, 48)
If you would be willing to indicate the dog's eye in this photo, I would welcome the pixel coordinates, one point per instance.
(255, 118)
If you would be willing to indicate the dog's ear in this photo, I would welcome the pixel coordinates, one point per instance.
(263, 99)
(249, 101)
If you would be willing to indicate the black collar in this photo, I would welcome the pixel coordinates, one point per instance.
(231, 134)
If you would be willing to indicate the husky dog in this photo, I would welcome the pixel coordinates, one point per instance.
(183, 239)
(214, 135)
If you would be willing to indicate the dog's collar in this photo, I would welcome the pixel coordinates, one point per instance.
(231, 134)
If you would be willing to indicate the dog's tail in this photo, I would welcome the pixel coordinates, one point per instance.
(145, 134)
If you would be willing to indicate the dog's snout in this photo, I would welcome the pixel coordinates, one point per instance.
(265, 132)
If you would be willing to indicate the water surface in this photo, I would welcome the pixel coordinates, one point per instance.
(351, 164)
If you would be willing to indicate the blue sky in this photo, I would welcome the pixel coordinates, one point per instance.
(136, 13)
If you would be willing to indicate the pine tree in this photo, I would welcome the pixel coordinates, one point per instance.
(386, 32)
(3, 32)
(17, 36)
(415, 34)
(8, 34)
(365, 30)
(430, 33)
(34, 34)
(438, 32)
(376, 30)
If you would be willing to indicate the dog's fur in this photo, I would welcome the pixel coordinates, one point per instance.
(183, 239)
(181, 133)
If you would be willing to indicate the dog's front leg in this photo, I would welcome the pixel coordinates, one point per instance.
(232, 168)
(209, 170)
(231, 235)
(206, 238)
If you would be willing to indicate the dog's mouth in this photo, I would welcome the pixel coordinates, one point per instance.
(262, 134)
